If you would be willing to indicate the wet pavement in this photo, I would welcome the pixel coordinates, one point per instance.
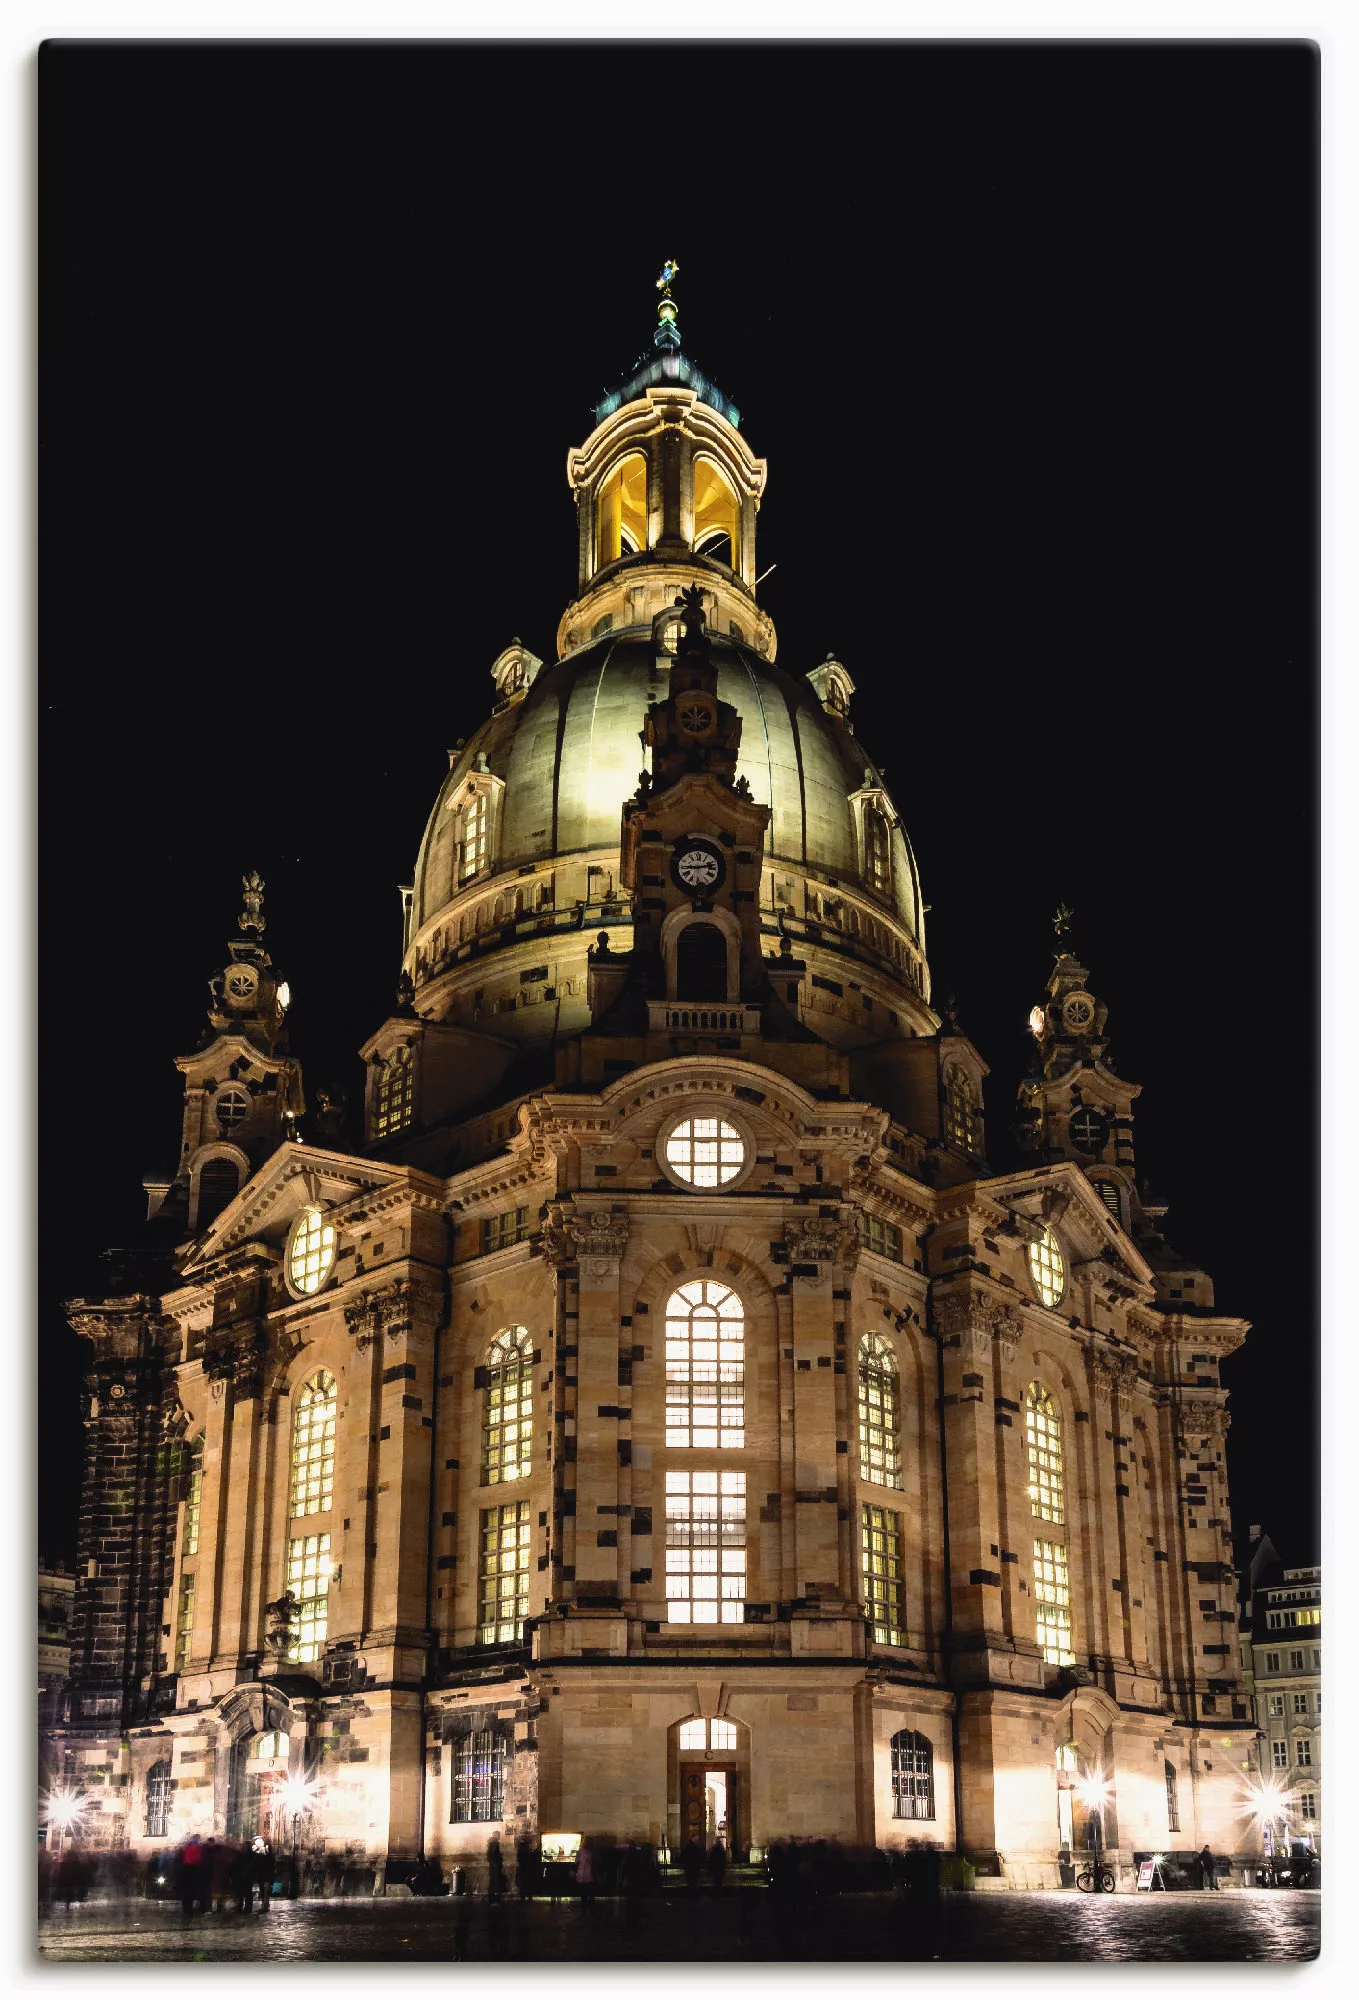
(1231, 1925)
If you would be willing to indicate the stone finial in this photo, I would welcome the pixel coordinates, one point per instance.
(252, 891)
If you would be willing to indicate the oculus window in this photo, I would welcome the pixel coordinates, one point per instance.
(232, 1109)
(705, 1152)
(705, 1352)
(311, 1252)
(1047, 1268)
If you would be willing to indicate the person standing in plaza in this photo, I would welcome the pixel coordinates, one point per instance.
(1206, 1867)
(495, 1870)
(585, 1875)
(262, 1868)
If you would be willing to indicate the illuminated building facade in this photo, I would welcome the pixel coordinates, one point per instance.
(666, 1423)
(1281, 1648)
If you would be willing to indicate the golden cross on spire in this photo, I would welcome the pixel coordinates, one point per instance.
(669, 270)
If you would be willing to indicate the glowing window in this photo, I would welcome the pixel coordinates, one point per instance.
(877, 1235)
(479, 1776)
(474, 837)
(1047, 1268)
(184, 1621)
(705, 1152)
(877, 852)
(394, 1091)
(879, 1413)
(313, 1466)
(507, 1427)
(620, 510)
(705, 1352)
(912, 1775)
(505, 1537)
(1052, 1603)
(717, 516)
(193, 1498)
(309, 1582)
(962, 1118)
(705, 1548)
(694, 1734)
(312, 1251)
(232, 1109)
(880, 1545)
(1043, 1435)
(721, 1735)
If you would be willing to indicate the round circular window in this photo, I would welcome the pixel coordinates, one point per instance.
(232, 1108)
(1047, 1268)
(1089, 1130)
(311, 1252)
(705, 1149)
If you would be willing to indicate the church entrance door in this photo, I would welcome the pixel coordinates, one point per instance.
(708, 1805)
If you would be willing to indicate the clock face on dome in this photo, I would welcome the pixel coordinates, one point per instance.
(1078, 1010)
(696, 716)
(698, 867)
(241, 983)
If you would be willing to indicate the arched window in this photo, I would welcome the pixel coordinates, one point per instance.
(313, 1467)
(473, 855)
(158, 1795)
(193, 1496)
(701, 963)
(620, 510)
(218, 1183)
(717, 516)
(1172, 1798)
(879, 1413)
(1108, 1192)
(394, 1092)
(912, 1775)
(962, 1119)
(877, 852)
(1043, 1436)
(705, 1373)
(717, 1734)
(479, 1776)
(1047, 1268)
(507, 1424)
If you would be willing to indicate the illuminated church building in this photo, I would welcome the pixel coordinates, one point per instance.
(666, 1422)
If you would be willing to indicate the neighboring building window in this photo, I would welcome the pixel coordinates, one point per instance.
(879, 1413)
(705, 1548)
(1276, 1704)
(499, 1230)
(218, 1183)
(705, 1152)
(1295, 1663)
(705, 1354)
(1304, 1751)
(1271, 1663)
(314, 1446)
(1316, 1658)
(309, 1582)
(962, 1118)
(507, 1428)
(1052, 1603)
(1279, 1751)
(312, 1251)
(877, 852)
(479, 1776)
(505, 1537)
(158, 1801)
(912, 1775)
(1047, 1268)
(1307, 1804)
(394, 1092)
(1043, 1435)
(193, 1498)
(232, 1108)
(1299, 1704)
(875, 1234)
(880, 1544)
(474, 837)
(184, 1621)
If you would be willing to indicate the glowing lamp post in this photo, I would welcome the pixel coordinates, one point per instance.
(1268, 1802)
(1093, 1793)
(298, 1794)
(65, 1810)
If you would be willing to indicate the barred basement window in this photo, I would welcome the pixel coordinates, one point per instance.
(962, 1118)
(507, 1427)
(158, 1800)
(912, 1775)
(499, 1230)
(193, 1499)
(474, 840)
(1172, 1798)
(394, 1092)
(314, 1446)
(311, 1251)
(1043, 1434)
(875, 1234)
(705, 1548)
(877, 852)
(479, 1776)
(1052, 1603)
(880, 1545)
(184, 1621)
(705, 1352)
(505, 1536)
(879, 1413)
(1047, 1268)
(309, 1582)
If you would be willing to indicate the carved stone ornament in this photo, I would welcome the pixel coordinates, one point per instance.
(593, 1239)
(1002, 1324)
(818, 1239)
(238, 1355)
(387, 1315)
(952, 1313)
(1203, 1419)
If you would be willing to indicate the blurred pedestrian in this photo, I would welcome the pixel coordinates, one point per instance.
(262, 1869)
(1207, 1871)
(242, 1878)
(691, 1861)
(717, 1867)
(585, 1875)
(527, 1867)
(190, 1875)
(495, 1870)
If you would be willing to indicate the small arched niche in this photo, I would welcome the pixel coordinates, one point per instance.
(717, 515)
(620, 511)
(701, 963)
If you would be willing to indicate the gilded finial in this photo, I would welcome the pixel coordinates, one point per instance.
(667, 333)
(252, 891)
(1061, 922)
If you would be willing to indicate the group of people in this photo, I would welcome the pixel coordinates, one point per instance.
(218, 1875)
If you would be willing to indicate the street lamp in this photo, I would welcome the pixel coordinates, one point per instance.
(64, 1810)
(1268, 1800)
(298, 1794)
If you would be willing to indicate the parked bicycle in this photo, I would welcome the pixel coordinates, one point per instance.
(1096, 1880)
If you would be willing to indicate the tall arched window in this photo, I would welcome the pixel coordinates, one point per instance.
(1043, 1436)
(1172, 1798)
(877, 852)
(507, 1425)
(193, 1495)
(158, 1795)
(218, 1183)
(473, 854)
(717, 515)
(394, 1092)
(620, 510)
(962, 1119)
(479, 1776)
(705, 1374)
(313, 1467)
(879, 1413)
(1047, 1502)
(912, 1775)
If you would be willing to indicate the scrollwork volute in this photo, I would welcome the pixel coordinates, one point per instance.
(592, 1239)
(819, 1239)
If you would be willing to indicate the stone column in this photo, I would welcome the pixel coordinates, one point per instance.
(408, 1312)
(822, 1619)
(968, 1424)
(600, 1237)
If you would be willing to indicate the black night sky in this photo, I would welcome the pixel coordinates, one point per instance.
(1028, 335)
